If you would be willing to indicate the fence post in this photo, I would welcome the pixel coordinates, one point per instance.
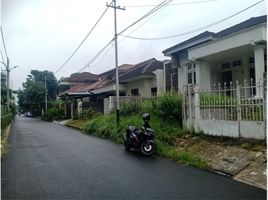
(264, 92)
(238, 106)
(196, 102)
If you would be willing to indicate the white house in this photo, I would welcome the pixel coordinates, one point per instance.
(234, 54)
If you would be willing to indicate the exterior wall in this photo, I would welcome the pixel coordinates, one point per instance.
(160, 81)
(144, 87)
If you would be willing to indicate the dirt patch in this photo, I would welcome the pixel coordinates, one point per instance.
(243, 160)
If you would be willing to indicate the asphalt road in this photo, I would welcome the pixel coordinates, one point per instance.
(49, 161)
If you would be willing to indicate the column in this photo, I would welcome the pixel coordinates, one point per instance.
(259, 67)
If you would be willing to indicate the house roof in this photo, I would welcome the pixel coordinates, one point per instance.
(144, 68)
(122, 68)
(82, 77)
(196, 40)
(85, 88)
(243, 25)
(208, 36)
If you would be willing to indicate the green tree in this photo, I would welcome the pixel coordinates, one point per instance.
(32, 96)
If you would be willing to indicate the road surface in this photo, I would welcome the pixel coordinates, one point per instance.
(49, 161)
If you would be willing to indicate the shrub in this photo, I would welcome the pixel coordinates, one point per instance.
(169, 106)
(131, 107)
(53, 114)
(6, 120)
(87, 114)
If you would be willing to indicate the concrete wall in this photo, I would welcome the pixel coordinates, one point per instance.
(144, 86)
(160, 81)
(243, 129)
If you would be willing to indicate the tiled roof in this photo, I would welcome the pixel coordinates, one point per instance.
(210, 35)
(82, 77)
(144, 68)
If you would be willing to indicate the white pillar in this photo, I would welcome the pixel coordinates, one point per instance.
(72, 110)
(259, 67)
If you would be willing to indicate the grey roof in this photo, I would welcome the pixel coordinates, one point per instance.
(243, 25)
(208, 36)
(145, 68)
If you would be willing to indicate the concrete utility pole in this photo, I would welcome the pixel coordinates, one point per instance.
(8, 71)
(113, 5)
(46, 90)
(8, 81)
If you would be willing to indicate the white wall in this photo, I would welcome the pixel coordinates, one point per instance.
(144, 86)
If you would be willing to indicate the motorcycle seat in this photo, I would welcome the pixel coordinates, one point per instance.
(135, 129)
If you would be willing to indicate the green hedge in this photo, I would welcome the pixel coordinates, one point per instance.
(53, 114)
(6, 120)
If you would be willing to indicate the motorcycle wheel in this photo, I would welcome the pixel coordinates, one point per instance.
(148, 148)
(127, 147)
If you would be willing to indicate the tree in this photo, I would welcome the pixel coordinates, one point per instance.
(32, 97)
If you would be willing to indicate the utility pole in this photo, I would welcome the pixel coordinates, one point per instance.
(113, 5)
(46, 90)
(8, 74)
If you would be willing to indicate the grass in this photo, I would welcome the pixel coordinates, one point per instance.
(165, 133)
(4, 141)
(77, 123)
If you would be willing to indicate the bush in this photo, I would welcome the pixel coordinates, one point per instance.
(87, 114)
(6, 120)
(169, 107)
(130, 107)
(53, 114)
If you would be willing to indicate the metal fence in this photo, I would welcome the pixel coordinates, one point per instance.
(234, 102)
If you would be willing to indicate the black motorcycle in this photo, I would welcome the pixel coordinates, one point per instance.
(140, 138)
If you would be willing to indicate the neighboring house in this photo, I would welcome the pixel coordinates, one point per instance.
(144, 79)
(76, 79)
(234, 54)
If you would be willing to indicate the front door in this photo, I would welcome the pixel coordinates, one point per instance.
(227, 78)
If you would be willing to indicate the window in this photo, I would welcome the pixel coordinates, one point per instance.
(191, 74)
(251, 60)
(171, 77)
(237, 63)
(225, 65)
(135, 92)
(154, 91)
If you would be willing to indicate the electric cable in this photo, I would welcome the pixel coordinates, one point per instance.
(96, 56)
(194, 30)
(82, 41)
(164, 3)
(171, 4)
(3, 39)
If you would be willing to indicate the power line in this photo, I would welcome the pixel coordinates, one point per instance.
(96, 56)
(164, 3)
(82, 41)
(194, 30)
(171, 4)
(2, 56)
(3, 41)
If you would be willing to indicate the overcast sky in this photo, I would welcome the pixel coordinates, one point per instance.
(42, 34)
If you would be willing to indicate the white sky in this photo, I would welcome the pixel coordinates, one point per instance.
(42, 34)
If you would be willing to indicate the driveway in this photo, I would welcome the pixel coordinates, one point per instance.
(49, 161)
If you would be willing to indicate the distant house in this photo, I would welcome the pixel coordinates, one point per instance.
(144, 79)
(76, 79)
(233, 54)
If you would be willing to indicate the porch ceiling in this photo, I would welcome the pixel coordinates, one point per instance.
(230, 54)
